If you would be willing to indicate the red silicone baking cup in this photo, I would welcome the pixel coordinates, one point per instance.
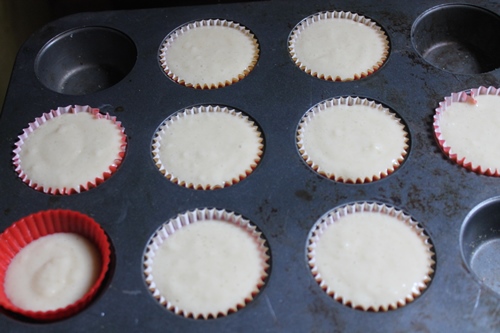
(47, 117)
(44, 223)
(462, 97)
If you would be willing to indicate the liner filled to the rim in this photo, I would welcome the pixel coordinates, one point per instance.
(237, 75)
(235, 176)
(339, 15)
(200, 216)
(326, 106)
(90, 183)
(484, 135)
(37, 225)
(337, 214)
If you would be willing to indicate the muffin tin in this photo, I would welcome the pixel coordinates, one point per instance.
(110, 61)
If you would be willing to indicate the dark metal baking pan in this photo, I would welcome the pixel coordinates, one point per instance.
(283, 196)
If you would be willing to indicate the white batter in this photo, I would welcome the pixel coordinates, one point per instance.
(52, 272)
(70, 150)
(208, 267)
(471, 130)
(372, 260)
(354, 142)
(340, 48)
(209, 148)
(209, 55)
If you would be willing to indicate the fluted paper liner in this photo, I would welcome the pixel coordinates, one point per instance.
(337, 214)
(37, 225)
(348, 101)
(465, 161)
(46, 117)
(199, 216)
(333, 15)
(231, 179)
(171, 38)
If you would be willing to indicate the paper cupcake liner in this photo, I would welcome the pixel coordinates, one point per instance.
(461, 97)
(190, 112)
(198, 216)
(328, 15)
(171, 38)
(48, 117)
(31, 228)
(336, 214)
(350, 100)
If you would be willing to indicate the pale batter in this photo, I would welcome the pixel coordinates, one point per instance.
(52, 272)
(208, 267)
(354, 142)
(471, 130)
(372, 260)
(210, 149)
(339, 48)
(206, 56)
(70, 150)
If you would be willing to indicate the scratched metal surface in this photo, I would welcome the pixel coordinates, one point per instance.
(283, 197)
